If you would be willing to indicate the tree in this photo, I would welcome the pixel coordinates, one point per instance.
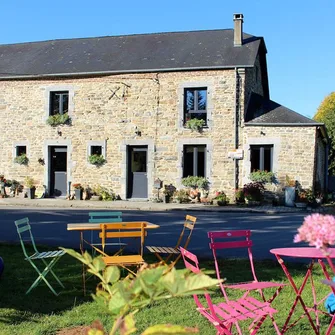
(326, 115)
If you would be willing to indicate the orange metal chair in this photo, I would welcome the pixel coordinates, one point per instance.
(123, 230)
(185, 236)
(227, 314)
(241, 239)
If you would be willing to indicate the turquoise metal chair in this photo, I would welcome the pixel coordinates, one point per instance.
(26, 236)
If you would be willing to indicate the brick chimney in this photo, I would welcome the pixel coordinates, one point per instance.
(238, 30)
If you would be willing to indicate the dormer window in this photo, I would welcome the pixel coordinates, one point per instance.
(195, 104)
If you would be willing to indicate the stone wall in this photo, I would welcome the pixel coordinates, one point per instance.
(108, 109)
(293, 153)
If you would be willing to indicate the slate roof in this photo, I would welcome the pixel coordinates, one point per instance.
(262, 111)
(131, 53)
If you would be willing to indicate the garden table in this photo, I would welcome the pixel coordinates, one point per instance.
(88, 226)
(313, 254)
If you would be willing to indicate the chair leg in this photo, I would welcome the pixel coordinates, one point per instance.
(52, 272)
(41, 276)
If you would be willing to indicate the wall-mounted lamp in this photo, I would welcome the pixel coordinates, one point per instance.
(59, 132)
(138, 131)
(262, 133)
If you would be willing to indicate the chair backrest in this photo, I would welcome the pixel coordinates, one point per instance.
(191, 262)
(188, 225)
(228, 239)
(24, 230)
(101, 217)
(125, 229)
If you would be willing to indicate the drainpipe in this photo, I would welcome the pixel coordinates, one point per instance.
(236, 113)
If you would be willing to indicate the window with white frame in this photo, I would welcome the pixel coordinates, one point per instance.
(261, 157)
(195, 104)
(194, 160)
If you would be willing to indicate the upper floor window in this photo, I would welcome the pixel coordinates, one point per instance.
(96, 150)
(21, 150)
(261, 157)
(195, 104)
(59, 102)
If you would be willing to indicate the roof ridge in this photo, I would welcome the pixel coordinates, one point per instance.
(125, 35)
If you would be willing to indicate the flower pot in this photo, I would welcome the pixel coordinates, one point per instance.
(252, 202)
(78, 193)
(30, 192)
(166, 199)
(289, 196)
(95, 198)
(301, 204)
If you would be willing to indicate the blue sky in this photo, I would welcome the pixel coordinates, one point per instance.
(299, 34)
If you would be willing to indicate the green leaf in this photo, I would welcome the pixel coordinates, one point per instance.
(128, 325)
(112, 274)
(99, 264)
(169, 329)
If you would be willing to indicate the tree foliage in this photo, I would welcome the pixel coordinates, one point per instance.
(326, 115)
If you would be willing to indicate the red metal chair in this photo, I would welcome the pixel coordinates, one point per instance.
(241, 239)
(227, 314)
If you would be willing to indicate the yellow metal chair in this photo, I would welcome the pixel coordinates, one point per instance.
(123, 230)
(171, 252)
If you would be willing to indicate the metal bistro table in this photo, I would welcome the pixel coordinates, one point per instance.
(88, 226)
(313, 254)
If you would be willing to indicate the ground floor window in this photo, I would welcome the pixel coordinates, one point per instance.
(261, 157)
(21, 150)
(194, 158)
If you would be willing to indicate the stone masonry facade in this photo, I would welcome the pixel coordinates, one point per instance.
(109, 110)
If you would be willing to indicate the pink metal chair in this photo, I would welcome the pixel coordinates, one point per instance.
(225, 315)
(241, 239)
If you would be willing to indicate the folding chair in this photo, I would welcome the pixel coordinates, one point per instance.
(225, 315)
(240, 239)
(124, 230)
(105, 217)
(22, 227)
(174, 251)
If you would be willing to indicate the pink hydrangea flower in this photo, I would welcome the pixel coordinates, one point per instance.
(318, 230)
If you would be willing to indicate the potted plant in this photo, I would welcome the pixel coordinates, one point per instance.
(96, 191)
(195, 124)
(58, 119)
(253, 193)
(22, 159)
(29, 187)
(239, 196)
(168, 192)
(290, 191)
(262, 176)
(197, 185)
(97, 160)
(182, 196)
(301, 199)
(78, 191)
(220, 198)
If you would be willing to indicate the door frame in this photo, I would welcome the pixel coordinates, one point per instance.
(124, 164)
(47, 167)
(132, 148)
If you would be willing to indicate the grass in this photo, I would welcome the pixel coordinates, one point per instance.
(41, 313)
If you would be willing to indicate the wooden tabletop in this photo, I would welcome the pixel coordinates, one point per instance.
(96, 226)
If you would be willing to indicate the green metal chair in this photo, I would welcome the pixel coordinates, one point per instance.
(26, 236)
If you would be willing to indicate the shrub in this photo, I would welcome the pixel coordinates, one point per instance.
(182, 196)
(239, 196)
(262, 176)
(97, 159)
(253, 191)
(221, 196)
(22, 159)
(29, 182)
(195, 182)
(57, 119)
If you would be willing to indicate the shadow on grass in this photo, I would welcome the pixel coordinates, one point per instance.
(18, 276)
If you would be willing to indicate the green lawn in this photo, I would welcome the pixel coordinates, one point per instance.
(42, 313)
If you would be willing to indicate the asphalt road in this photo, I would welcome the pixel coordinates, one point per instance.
(268, 231)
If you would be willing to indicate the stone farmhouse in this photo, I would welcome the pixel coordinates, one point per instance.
(129, 99)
